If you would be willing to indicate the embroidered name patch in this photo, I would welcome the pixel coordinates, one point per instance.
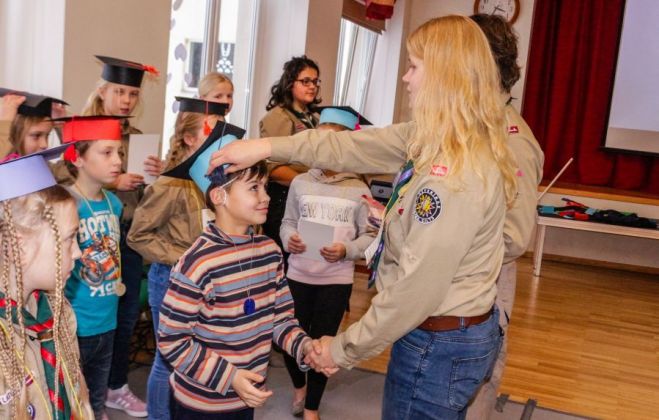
(427, 206)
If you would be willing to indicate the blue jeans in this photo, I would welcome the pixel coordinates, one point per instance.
(433, 375)
(96, 359)
(129, 310)
(158, 384)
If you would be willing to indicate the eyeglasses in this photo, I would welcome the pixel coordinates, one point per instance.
(307, 82)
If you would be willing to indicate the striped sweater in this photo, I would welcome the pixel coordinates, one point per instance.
(204, 332)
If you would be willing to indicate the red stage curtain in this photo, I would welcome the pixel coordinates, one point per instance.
(569, 83)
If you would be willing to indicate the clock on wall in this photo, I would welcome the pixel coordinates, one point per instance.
(509, 9)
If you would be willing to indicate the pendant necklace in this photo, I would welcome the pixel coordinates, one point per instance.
(120, 287)
(249, 305)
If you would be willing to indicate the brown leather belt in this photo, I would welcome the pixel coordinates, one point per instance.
(448, 323)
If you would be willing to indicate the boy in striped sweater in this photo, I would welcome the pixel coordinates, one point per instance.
(227, 302)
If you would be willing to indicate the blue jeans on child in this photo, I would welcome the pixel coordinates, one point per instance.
(96, 359)
(434, 374)
(158, 383)
(129, 311)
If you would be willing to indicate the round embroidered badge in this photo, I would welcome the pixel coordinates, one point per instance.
(427, 207)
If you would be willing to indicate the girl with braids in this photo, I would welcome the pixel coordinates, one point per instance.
(167, 221)
(38, 224)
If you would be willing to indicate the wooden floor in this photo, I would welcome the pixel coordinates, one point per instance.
(583, 340)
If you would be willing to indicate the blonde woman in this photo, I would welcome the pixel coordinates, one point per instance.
(441, 247)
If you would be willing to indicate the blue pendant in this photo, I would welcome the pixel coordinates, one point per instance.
(249, 306)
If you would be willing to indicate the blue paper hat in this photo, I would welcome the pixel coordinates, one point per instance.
(342, 115)
(196, 166)
(27, 174)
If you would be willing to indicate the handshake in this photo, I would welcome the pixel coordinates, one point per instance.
(317, 355)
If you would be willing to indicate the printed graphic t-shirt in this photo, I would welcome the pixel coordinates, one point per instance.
(91, 288)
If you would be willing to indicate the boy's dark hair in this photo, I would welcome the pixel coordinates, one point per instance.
(81, 147)
(280, 92)
(257, 171)
(503, 43)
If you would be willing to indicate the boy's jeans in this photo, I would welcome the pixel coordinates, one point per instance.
(158, 383)
(96, 359)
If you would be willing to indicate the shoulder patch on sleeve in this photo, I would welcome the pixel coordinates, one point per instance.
(427, 206)
(513, 129)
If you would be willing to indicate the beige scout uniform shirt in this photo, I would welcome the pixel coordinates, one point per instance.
(5, 145)
(37, 391)
(443, 247)
(520, 218)
(279, 121)
(167, 221)
(130, 199)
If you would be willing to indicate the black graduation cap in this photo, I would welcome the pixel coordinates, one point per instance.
(196, 166)
(342, 115)
(201, 106)
(124, 72)
(34, 105)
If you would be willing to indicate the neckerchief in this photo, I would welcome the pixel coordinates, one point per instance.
(42, 325)
(403, 179)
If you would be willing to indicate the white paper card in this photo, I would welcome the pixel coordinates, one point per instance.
(369, 252)
(140, 146)
(315, 236)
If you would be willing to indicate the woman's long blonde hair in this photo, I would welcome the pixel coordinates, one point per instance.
(208, 83)
(458, 108)
(20, 219)
(186, 123)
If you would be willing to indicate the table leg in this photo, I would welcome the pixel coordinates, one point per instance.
(539, 245)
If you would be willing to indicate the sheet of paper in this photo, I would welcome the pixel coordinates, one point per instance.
(315, 236)
(140, 146)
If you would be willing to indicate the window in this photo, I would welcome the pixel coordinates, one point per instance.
(354, 65)
(190, 50)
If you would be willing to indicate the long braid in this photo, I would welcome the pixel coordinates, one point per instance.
(67, 355)
(12, 370)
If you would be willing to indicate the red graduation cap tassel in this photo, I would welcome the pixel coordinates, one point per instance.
(70, 154)
(151, 69)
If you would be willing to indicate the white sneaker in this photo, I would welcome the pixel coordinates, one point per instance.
(123, 399)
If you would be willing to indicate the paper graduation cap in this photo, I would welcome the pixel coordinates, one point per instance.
(201, 106)
(88, 128)
(27, 174)
(196, 166)
(124, 72)
(342, 115)
(34, 105)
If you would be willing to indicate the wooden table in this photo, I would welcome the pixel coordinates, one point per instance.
(544, 221)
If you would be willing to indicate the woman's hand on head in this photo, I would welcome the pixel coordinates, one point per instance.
(241, 154)
(9, 106)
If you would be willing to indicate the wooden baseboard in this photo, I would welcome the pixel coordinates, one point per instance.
(595, 263)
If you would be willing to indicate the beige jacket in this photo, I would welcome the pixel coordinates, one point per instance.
(279, 121)
(520, 218)
(130, 199)
(443, 246)
(167, 221)
(5, 145)
(37, 391)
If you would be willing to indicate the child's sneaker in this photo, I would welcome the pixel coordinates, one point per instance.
(123, 399)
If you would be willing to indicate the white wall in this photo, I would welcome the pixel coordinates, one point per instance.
(32, 45)
(133, 30)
